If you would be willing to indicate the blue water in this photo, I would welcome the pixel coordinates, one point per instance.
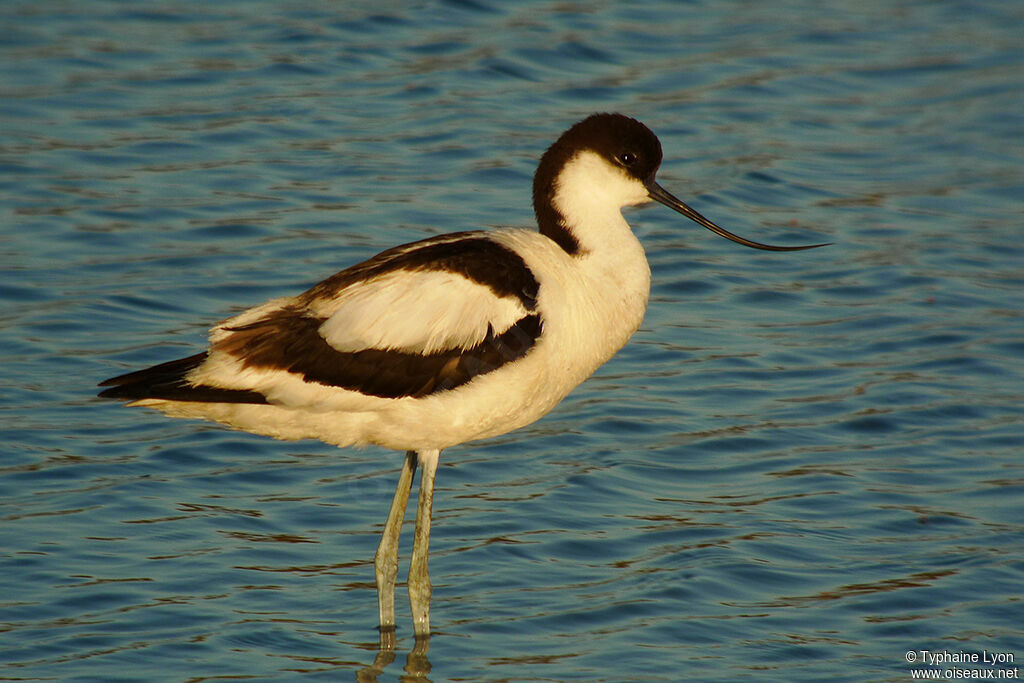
(802, 467)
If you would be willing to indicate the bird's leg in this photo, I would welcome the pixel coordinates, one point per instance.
(386, 560)
(419, 577)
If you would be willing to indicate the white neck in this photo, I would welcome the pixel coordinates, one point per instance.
(589, 195)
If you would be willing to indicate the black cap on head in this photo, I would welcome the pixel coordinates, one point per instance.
(619, 139)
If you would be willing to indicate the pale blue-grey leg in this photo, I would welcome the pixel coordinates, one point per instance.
(419, 577)
(386, 560)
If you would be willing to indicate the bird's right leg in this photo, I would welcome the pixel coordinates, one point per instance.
(386, 560)
(419, 577)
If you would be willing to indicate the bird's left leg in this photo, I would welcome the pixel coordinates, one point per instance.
(419, 577)
(386, 559)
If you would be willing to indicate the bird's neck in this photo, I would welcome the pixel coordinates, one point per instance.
(607, 254)
(578, 203)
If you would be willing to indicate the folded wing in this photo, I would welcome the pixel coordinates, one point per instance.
(414, 320)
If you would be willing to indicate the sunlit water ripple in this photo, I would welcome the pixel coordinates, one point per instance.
(801, 468)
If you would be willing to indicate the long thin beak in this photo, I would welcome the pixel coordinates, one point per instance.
(663, 196)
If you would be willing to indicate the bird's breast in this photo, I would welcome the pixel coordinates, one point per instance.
(590, 304)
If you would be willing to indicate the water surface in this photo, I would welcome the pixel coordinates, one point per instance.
(802, 467)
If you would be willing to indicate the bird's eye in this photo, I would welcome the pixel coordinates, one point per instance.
(627, 158)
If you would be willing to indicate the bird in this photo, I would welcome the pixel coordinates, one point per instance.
(449, 339)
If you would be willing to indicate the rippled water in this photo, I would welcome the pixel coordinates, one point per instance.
(802, 467)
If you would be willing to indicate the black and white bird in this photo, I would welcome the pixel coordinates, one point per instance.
(446, 340)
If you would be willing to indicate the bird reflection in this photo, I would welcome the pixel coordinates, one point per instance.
(417, 665)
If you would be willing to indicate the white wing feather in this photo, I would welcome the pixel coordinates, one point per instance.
(415, 311)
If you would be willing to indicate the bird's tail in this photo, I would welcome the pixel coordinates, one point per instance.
(168, 381)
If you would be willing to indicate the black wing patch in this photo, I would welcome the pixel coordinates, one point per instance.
(167, 381)
(470, 254)
(290, 340)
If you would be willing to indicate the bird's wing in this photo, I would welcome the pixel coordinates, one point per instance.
(420, 312)
(413, 320)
